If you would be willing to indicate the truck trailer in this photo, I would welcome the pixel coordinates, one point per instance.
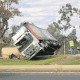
(31, 41)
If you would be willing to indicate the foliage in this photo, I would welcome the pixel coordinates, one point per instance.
(60, 27)
(14, 28)
(72, 36)
(63, 24)
(6, 12)
(67, 12)
(54, 30)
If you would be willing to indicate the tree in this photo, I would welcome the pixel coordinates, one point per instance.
(72, 36)
(67, 12)
(55, 30)
(6, 12)
(14, 28)
(64, 23)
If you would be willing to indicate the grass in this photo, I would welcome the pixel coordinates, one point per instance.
(75, 62)
(38, 62)
(28, 62)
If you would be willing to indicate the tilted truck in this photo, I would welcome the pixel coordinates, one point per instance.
(32, 41)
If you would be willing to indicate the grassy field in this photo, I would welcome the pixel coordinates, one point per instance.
(29, 62)
(62, 60)
(74, 62)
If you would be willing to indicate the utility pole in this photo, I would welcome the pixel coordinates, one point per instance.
(64, 47)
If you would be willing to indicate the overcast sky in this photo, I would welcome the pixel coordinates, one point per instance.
(43, 12)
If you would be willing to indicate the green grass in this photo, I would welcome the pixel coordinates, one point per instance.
(28, 62)
(75, 62)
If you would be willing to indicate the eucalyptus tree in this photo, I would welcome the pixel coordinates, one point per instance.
(55, 30)
(7, 11)
(72, 36)
(66, 14)
(64, 23)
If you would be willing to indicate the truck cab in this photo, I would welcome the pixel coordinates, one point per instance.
(26, 43)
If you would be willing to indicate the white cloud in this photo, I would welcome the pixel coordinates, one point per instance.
(43, 12)
(43, 9)
(37, 11)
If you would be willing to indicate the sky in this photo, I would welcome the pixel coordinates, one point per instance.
(43, 12)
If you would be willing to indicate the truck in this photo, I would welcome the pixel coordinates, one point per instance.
(33, 41)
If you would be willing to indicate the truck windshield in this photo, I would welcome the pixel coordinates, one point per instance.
(24, 42)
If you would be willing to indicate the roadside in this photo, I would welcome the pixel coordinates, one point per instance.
(56, 64)
(40, 68)
(68, 60)
(54, 60)
(30, 62)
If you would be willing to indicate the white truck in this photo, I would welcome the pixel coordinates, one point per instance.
(31, 41)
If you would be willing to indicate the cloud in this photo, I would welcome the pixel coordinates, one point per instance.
(37, 11)
(43, 12)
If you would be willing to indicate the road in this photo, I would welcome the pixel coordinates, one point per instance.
(39, 76)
